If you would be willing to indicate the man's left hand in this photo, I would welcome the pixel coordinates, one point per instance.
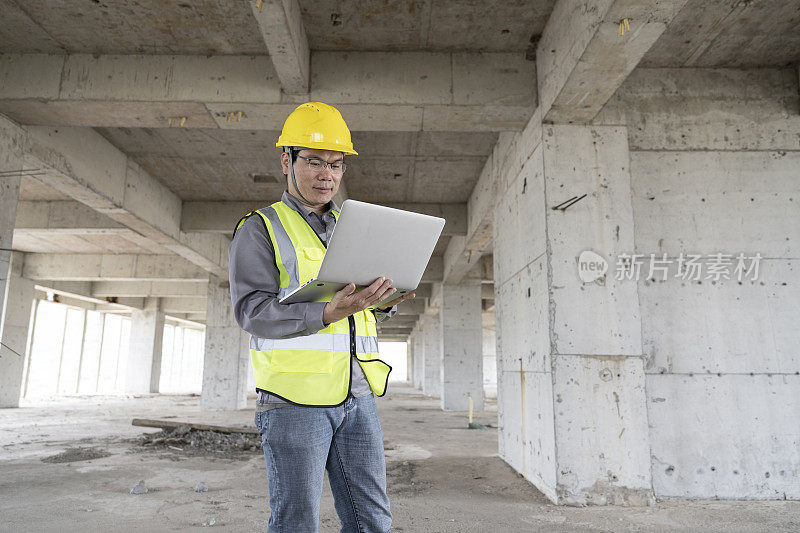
(397, 301)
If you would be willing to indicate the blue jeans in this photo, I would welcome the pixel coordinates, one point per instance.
(300, 443)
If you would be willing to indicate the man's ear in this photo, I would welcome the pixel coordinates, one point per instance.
(285, 163)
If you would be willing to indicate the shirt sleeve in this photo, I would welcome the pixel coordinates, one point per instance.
(255, 281)
(382, 315)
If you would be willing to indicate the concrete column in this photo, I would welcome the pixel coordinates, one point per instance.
(572, 412)
(409, 360)
(419, 356)
(462, 349)
(10, 161)
(431, 332)
(489, 335)
(226, 352)
(14, 327)
(144, 349)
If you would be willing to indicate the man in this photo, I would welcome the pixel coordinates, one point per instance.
(316, 364)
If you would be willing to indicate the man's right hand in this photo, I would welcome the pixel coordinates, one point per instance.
(347, 302)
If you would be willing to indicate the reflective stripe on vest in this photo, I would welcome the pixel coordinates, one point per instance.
(312, 369)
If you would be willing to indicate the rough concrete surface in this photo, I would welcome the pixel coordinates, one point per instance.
(442, 477)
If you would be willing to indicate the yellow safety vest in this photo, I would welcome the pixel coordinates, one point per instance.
(312, 370)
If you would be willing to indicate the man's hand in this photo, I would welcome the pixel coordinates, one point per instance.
(347, 302)
(402, 298)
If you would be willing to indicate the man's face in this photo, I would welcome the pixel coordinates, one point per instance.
(318, 187)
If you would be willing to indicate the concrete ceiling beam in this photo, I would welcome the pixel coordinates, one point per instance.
(162, 289)
(216, 217)
(584, 55)
(393, 338)
(52, 226)
(465, 253)
(400, 321)
(62, 215)
(111, 267)
(183, 305)
(487, 291)
(395, 333)
(434, 270)
(64, 293)
(375, 91)
(80, 163)
(415, 306)
(282, 29)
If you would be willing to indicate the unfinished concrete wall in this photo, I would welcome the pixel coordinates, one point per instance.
(526, 435)
(715, 168)
(577, 428)
(687, 377)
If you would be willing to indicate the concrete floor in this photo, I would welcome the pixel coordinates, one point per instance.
(442, 477)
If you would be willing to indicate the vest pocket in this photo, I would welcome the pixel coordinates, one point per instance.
(310, 362)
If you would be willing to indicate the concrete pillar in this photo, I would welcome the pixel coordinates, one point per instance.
(419, 356)
(14, 327)
(431, 332)
(227, 352)
(489, 354)
(143, 372)
(462, 348)
(409, 360)
(572, 412)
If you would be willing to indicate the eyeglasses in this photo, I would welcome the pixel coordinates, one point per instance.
(318, 165)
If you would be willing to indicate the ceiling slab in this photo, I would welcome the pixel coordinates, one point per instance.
(19, 32)
(721, 33)
(122, 27)
(212, 164)
(108, 114)
(423, 25)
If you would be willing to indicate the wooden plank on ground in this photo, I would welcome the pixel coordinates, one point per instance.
(172, 424)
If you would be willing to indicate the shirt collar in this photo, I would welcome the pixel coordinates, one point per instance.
(295, 204)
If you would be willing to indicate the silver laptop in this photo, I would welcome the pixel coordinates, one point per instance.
(370, 241)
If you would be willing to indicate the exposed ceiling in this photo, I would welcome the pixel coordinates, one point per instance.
(452, 25)
(125, 27)
(212, 163)
(215, 164)
(727, 33)
(743, 33)
(228, 27)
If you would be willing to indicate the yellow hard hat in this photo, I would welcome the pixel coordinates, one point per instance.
(316, 125)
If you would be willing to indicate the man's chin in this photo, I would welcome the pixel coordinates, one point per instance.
(323, 196)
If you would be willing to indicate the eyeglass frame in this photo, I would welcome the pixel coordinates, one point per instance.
(325, 164)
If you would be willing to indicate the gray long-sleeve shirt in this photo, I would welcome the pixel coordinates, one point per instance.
(254, 280)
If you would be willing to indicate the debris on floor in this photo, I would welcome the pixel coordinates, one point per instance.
(71, 455)
(201, 487)
(201, 442)
(170, 424)
(139, 488)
